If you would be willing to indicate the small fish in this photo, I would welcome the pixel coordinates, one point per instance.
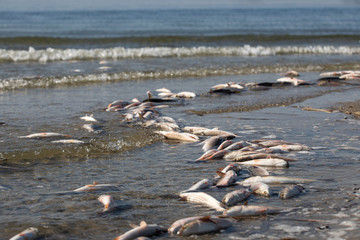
(259, 188)
(204, 225)
(227, 179)
(45, 135)
(185, 95)
(290, 191)
(108, 201)
(96, 187)
(88, 118)
(258, 171)
(175, 227)
(144, 230)
(292, 147)
(236, 196)
(216, 132)
(202, 198)
(252, 210)
(194, 129)
(182, 136)
(205, 183)
(27, 234)
(91, 127)
(270, 162)
(75, 141)
(275, 179)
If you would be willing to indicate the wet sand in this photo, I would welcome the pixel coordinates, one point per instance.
(350, 108)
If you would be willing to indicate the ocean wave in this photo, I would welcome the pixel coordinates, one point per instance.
(52, 54)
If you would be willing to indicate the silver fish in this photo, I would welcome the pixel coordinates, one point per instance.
(95, 187)
(227, 179)
(258, 171)
(292, 147)
(27, 234)
(182, 136)
(212, 143)
(275, 179)
(175, 227)
(225, 144)
(270, 162)
(231, 166)
(237, 145)
(108, 201)
(45, 135)
(207, 155)
(259, 188)
(252, 210)
(290, 191)
(236, 196)
(144, 230)
(204, 225)
(202, 198)
(205, 183)
(75, 141)
(88, 118)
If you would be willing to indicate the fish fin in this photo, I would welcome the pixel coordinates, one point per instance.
(143, 224)
(220, 173)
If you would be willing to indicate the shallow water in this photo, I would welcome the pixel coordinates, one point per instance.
(151, 172)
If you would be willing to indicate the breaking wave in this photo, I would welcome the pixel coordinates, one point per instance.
(53, 54)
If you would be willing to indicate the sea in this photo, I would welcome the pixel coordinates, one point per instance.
(58, 66)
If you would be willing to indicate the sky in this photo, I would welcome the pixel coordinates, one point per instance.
(45, 5)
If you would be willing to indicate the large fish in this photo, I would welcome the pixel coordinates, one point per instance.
(204, 225)
(144, 230)
(259, 188)
(181, 136)
(212, 143)
(175, 227)
(227, 179)
(202, 198)
(45, 135)
(236, 196)
(275, 179)
(245, 156)
(258, 171)
(202, 184)
(27, 234)
(216, 132)
(290, 191)
(291, 147)
(269, 162)
(252, 210)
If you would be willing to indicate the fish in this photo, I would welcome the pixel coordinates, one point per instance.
(117, 105)
(237, 145)
(144, 230)
(75, 141)
(275, 179)
(270, 162)
(216, 132)
(194, 129)
(89, 118)
(259, 188)
(225, 144)
(218, 154)
(204, 225)
(241, 211)
(202, 198)
(91, 127)
(212, 143)
(45, 135)
(206, 155)
(236, 196)
(241, 156)
(182, 136)
(175, 227)
(96, 187)
(290, 191)
(28, 234)
(291, 74)
(202, 184)
(229, 87)
(231, 166)
(292, 147)
(258, 171)
(293, 81)
(108, 201)
(185, 95)
(227, 179)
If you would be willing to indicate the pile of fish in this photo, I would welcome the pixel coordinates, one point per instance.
(245, 181)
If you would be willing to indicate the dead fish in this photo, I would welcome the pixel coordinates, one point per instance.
(92, 127)
(185, 95)
(290, 191)
(272, 143)
(232, 166)
(204, 225)
(206, 155)
(270, 162)
(275, 179)
(175, 227)
(258, 171)
(205, 183)
(144, 230)
(182, 136)
(45, 135)
(225, 144)
(252, 210)
(241, 156)
(259, 188)
(237, 145)
(218, 154)
(117, 105)
(194, 129)
(163, 90)
(27, 234)
(227, 179)
(202, 198)
(75, 141)
(96, 187)
(212, 143)
(293, 147)
(216, 132)
(236, 196)
(293, 81)
(89, 118)
(108, 201)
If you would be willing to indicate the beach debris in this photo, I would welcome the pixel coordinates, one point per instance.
(236, 196)
(181, 136)
(202, 198)
(96, 187)
(290, 191)
(45, 135)
(143, 230)
(275, 179)
(204, 225)
(241, 211)
(28, 234)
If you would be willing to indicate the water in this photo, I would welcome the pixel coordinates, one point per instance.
(58, 66)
